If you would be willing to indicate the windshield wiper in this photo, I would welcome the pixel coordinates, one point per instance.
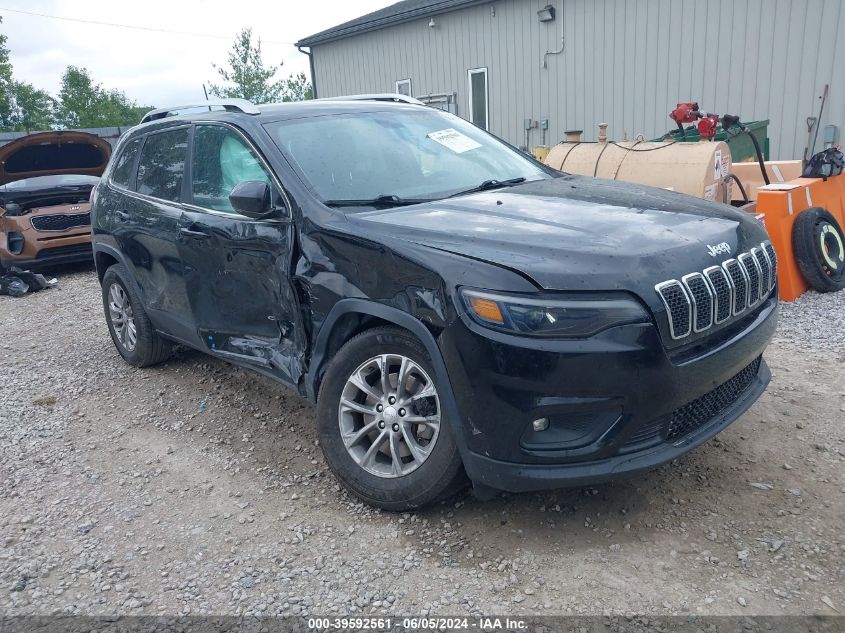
(487, 185)
(378, 201)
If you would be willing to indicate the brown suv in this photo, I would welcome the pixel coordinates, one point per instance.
(45, 184)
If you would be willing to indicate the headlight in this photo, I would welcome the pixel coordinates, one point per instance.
(563, 318)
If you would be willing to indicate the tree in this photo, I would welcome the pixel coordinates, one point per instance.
(83, 103)
(297, 88)
(247, 77)
(6, 82)
(31, 108)
(22, 106)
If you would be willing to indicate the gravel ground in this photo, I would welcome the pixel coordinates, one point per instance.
(196, 487)
(814, 322)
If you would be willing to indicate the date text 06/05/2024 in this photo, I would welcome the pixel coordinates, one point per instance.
(415, 624)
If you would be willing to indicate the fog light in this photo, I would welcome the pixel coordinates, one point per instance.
(540, 425)
(14, 242)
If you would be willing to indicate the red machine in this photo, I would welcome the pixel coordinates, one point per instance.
(685, 113)
(690, 113)
(708, 125)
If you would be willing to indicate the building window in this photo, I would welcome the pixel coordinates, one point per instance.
(403, 87)
(478, 97)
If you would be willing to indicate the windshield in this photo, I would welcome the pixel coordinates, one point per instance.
(411, 154)
(61, 180)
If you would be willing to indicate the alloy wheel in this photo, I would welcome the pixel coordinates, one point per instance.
(122, 318)
(389, 415)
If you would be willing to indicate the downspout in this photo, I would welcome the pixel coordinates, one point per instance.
(311, 69)
(562, 27)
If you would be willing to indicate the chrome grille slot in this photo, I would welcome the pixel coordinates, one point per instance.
(772, 256)
(753, 272)
(739, 281)
(702, 301)
(678, 307)
(763, 263)
(720, 284)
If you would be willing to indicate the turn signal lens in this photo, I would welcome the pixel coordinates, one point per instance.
(486, 309)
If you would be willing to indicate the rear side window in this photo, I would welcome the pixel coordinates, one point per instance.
(162, 165)
(221, 160)
(123, 166)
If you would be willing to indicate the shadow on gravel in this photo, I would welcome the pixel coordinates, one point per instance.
(67, 269)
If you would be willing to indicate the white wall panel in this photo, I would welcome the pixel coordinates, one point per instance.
(626, 62)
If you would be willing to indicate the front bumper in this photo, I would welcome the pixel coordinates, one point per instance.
(523, 477)
(617, 403)
(54, 256)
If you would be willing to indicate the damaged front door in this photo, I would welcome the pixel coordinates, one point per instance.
(237, 268)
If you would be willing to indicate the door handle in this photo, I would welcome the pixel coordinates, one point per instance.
(194, 233)
(123, 216)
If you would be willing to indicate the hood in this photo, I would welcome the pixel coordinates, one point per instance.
(577, 233)
(51, 153)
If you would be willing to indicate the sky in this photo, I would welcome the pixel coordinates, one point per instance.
(156, 68)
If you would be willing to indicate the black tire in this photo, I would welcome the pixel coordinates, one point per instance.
(438, 476)
(819, 248)
(149, 348)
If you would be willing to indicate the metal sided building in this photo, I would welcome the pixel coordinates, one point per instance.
(519, 66)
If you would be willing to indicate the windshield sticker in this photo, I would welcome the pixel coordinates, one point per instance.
(454, 140)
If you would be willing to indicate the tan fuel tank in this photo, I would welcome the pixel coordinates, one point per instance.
(697, 169)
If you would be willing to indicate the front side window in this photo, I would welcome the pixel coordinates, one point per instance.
(162, 165)
(123, 166)
(407, 152)
(221, 160)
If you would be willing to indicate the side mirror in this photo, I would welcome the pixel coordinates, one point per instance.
(252, 199)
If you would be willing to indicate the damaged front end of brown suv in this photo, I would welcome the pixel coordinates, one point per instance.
(46, 181)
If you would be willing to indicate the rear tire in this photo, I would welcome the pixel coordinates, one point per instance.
(819, 248)
(130, 328)
(391, 446)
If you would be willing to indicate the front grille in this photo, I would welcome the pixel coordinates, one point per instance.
(699, 300)
(694, 415)
(60, 221)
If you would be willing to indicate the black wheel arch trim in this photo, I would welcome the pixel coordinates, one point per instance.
(401, 319)
(121, 259)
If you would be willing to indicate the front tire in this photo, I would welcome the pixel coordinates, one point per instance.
(381, 424)
(130, 328)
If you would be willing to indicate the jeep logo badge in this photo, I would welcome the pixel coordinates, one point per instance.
(724, 248)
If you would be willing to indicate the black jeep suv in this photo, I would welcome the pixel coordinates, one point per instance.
(453, 307)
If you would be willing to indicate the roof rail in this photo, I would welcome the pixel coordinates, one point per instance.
(386, 96)
(230, 105)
